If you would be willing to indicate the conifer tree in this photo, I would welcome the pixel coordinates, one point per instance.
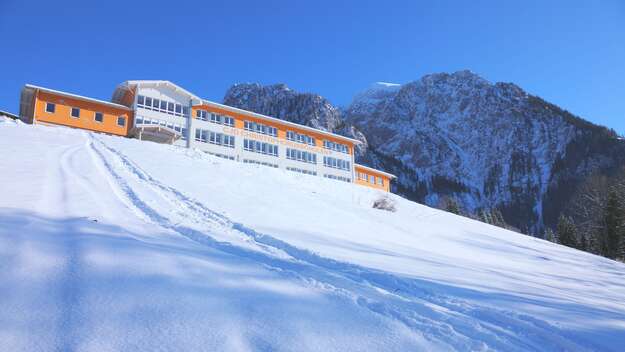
(453, 207)
(567, 232)
(551, 236)
(612, 229)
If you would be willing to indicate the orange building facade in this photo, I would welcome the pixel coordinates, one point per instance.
(217, 129)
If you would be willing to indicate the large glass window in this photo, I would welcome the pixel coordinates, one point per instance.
(336, 163)
(260, 147)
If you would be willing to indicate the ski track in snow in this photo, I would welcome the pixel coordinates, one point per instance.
(454, 322)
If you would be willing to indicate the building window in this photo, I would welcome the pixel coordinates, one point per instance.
(260, 128)
(121, 121)
(340, 178)
(336, 147)
(75, 113)
(201, 114)
(140, 100)
(300, 138)
(380, 181)
(371, 179)
(336, 163)
(98, 117)
(163, 106)
(50, 107)
(260, 147)
(299, 155)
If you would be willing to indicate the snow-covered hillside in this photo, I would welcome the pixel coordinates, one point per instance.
(111, 244)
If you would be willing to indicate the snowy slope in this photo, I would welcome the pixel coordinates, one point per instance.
(112, 244)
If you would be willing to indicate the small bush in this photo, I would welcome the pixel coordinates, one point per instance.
(385, 203)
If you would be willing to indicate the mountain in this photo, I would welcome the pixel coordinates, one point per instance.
(116, 244)
(485, 145)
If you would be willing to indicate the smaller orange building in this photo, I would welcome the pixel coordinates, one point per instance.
(47, 106)
(370, 177)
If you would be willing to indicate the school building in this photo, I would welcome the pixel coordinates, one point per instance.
(163, 112)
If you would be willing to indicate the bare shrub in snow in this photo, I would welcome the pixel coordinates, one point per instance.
(384, 203)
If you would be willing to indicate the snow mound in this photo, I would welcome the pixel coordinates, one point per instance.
(108, 243)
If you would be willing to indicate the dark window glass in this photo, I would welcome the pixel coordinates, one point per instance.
(170, 107)
(163, 105)
(141, 100)
(178, 108)
(99, 117)
(121, 121)
(75, 112)
(50, 107)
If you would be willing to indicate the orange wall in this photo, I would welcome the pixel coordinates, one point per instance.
(385, 179)
(62, 114)
(282, 128)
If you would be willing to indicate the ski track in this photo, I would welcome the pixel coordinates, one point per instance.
(456, 323)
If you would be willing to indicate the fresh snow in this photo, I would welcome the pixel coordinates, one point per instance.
(111, 244)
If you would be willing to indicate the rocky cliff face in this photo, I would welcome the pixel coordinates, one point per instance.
(459, 136)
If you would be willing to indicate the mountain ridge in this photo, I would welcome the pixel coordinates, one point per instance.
(459, 136)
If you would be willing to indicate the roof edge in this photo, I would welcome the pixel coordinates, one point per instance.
(375, 170)
(76, 96)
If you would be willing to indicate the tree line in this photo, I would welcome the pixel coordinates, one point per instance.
(593, 222)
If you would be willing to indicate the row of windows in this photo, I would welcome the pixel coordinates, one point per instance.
(371, 179)
(299, 155)
(214, 118)
(340, 178)
(249, 161)
(211, 137)
(173, 126)
(302, 171)
(260, 128)
(229, 157)
(260, 147)
(336, 163)
(300, 138)
(336, 147)
(160, 105)
(75, 114)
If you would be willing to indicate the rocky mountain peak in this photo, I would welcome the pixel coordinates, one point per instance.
(457, 135)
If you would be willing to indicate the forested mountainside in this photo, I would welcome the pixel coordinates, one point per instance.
(460, 137)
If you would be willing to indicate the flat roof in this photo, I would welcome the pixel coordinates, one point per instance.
(280, 121)
(75, 96)
(375, 170)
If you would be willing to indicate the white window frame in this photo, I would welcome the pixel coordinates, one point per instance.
(123, 118)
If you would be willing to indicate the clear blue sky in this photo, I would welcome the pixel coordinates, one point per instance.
(571, 53)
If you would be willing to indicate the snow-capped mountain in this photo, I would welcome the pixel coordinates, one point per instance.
(487, 145)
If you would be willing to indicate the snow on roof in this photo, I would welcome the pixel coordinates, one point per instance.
(375, 170)
(76, 96)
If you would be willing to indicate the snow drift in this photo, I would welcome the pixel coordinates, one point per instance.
(109, 244)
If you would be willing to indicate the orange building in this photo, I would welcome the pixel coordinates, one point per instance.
(371, 177)
(46, 106)
(149, 108)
